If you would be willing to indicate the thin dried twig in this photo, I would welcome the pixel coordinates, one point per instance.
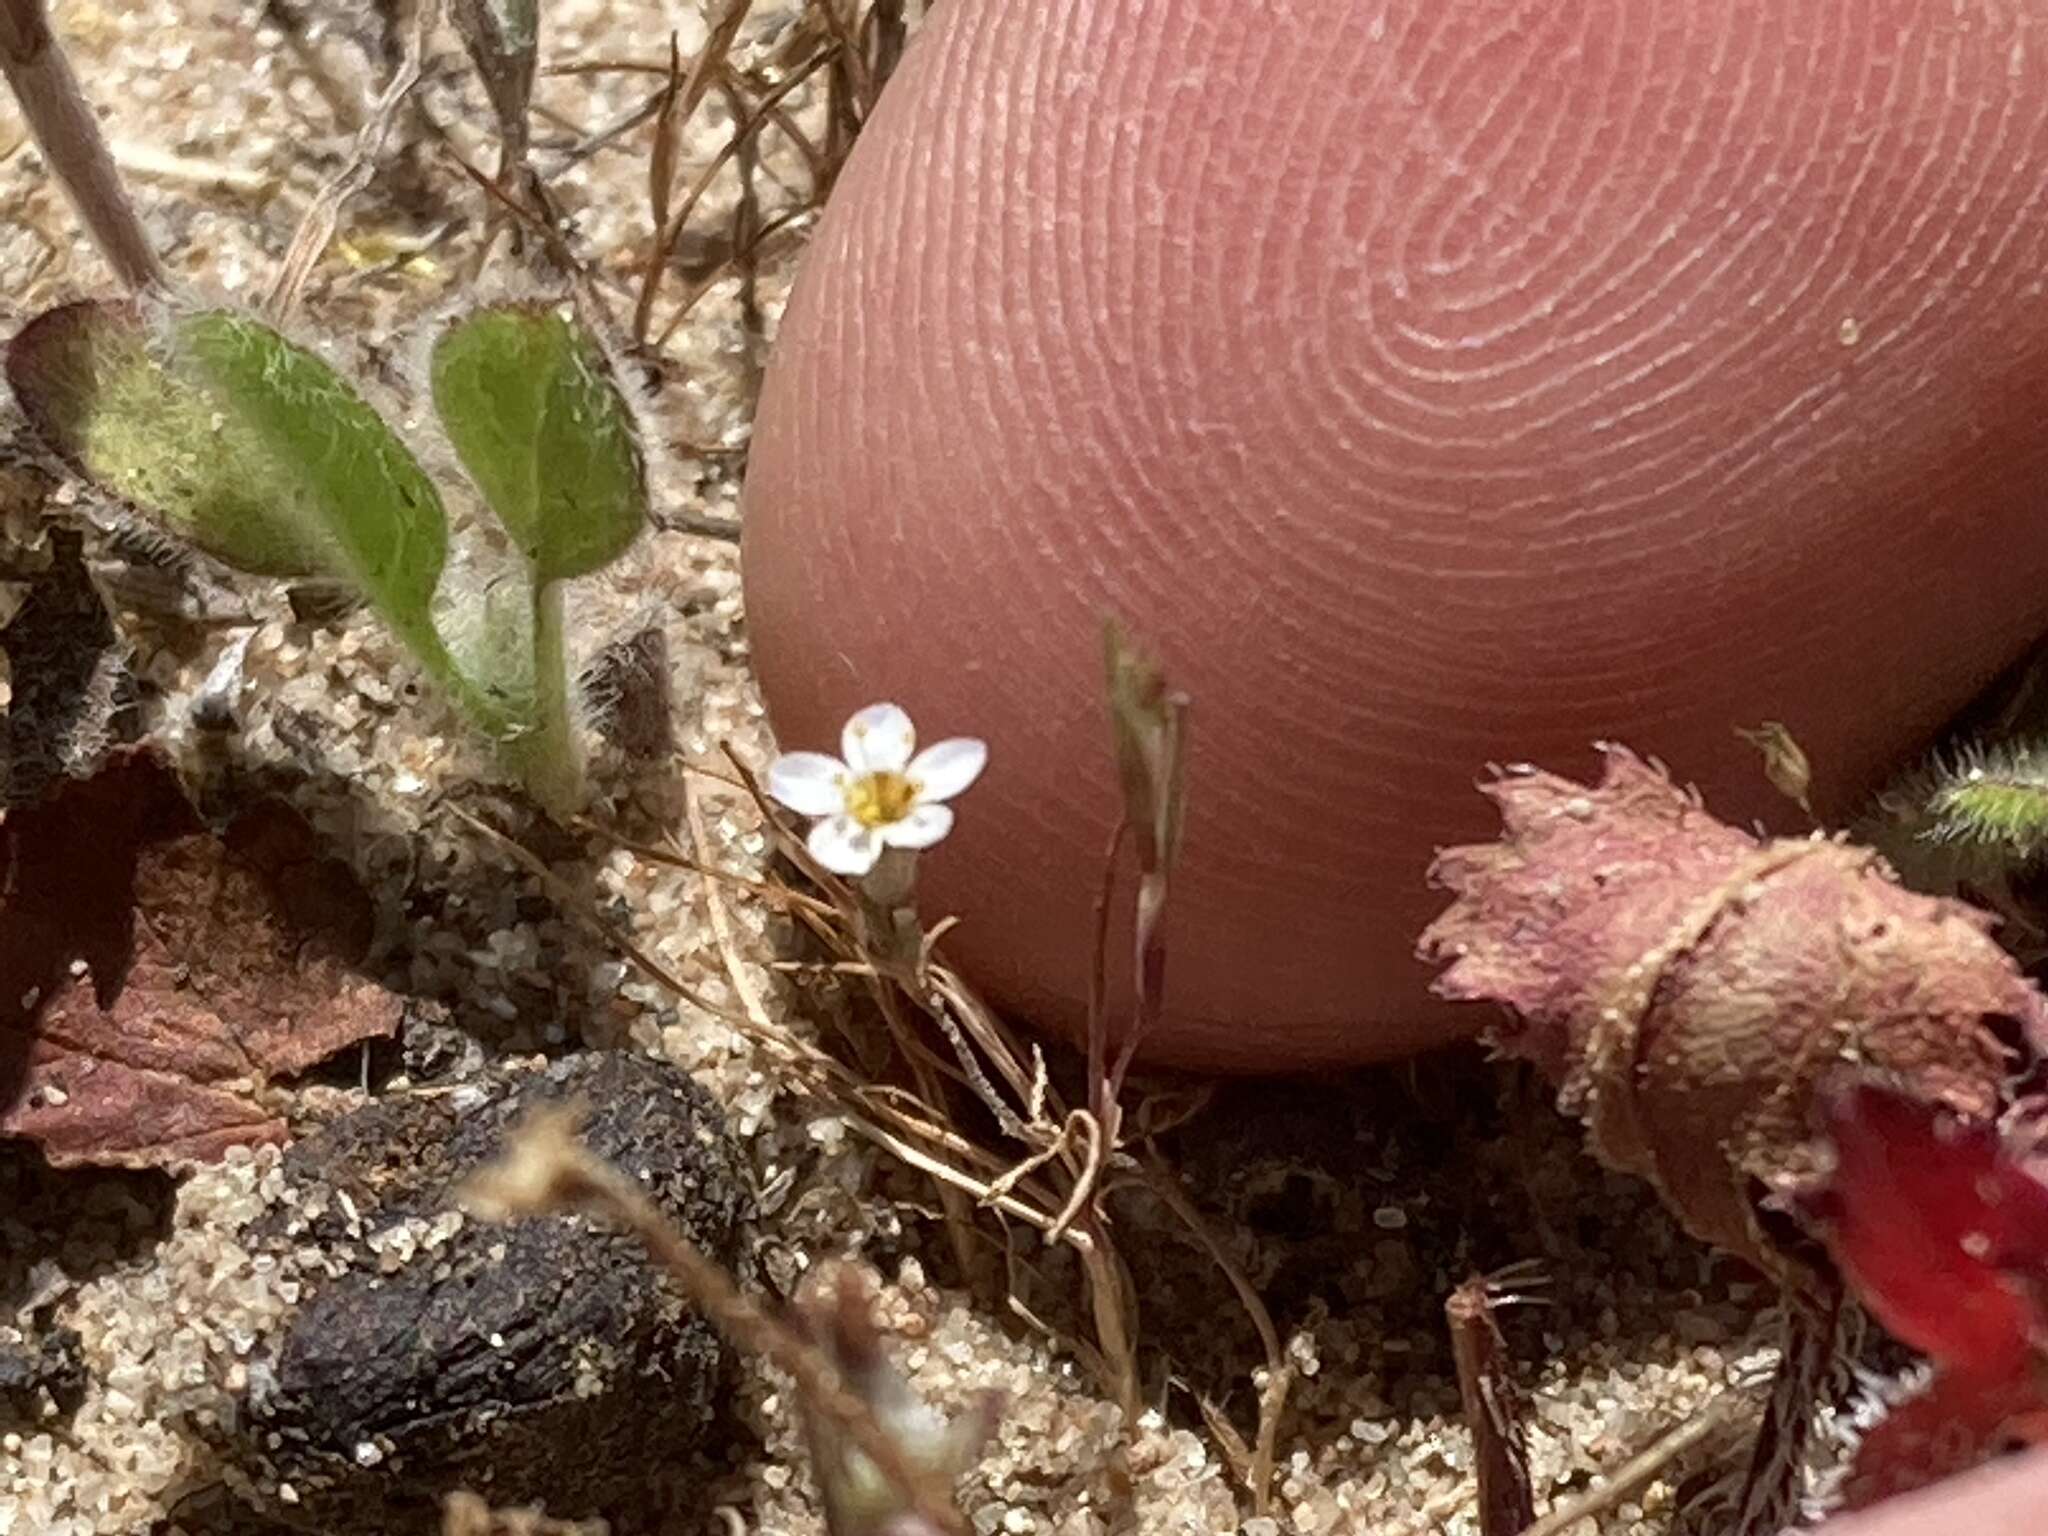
(721, 920)
(545, 1169)
(779, 895)
(746, 244)
(502, 37)
(154, 164)
(69, 136)
(665, 238)
(1258, 1471)
(316, 228)
(605, 137)
(1642, 1469)
(678, 102)
(1493, 1406)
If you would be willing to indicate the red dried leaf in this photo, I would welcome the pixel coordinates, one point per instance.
(1688, 985)
(154, 978)
(1941, 1230)
(1957, 1423)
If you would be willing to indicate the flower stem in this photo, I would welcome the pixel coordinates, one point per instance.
(69, 137)
(888, 908)
(549, 757)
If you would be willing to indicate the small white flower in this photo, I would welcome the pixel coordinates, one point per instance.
(876, 794)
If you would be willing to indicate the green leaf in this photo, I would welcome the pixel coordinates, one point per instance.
(356, 482)
(91, 381)
(530, 406)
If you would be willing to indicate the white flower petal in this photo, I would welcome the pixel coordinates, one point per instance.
(844, 846)
(925, 825)
(879, 739)
(941, 771)
(809, 783)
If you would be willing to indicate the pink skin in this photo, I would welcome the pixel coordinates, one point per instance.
(2008, 1499)
(1431, 384)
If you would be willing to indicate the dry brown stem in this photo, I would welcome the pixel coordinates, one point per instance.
(1493, 1404)
(546, 1170)
(678, 103)
(668, 234)
(316, 228)
(69, 136)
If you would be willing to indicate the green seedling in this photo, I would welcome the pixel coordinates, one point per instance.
(1970, 813)
(1993, 800)
(249, 446)
(529, 404)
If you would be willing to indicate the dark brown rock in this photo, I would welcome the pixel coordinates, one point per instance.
(544, 1362)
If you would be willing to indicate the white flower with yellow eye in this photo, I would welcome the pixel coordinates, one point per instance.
(877, 794)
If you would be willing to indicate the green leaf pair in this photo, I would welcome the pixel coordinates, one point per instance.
(255, 450)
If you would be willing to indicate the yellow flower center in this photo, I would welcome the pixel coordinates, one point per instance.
(880, 799)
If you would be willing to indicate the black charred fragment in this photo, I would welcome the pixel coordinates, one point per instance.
(543, 1362)
(41, 1377)
(74, 697)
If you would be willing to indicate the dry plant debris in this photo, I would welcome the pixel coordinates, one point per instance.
(1494, 1406)
(154, 978)
(1689, 986)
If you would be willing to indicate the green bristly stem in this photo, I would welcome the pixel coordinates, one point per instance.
(549, 757)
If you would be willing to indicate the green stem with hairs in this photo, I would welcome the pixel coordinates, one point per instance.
(549, 757)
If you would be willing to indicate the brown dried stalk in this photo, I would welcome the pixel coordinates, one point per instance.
(546, 1170)
(502, 38)
(69, 137)
(679, 102)
(1494, 1408)
(1712, 1423)
(316, 228)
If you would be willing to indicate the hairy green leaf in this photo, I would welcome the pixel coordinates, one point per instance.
(94, 384)
(356, 481)
(529, 404)
(1993, 798)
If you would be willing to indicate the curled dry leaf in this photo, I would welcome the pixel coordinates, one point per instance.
(155, 977)
(1688, 986)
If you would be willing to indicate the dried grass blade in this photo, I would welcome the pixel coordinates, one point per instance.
(316, 229)
(679, 103)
